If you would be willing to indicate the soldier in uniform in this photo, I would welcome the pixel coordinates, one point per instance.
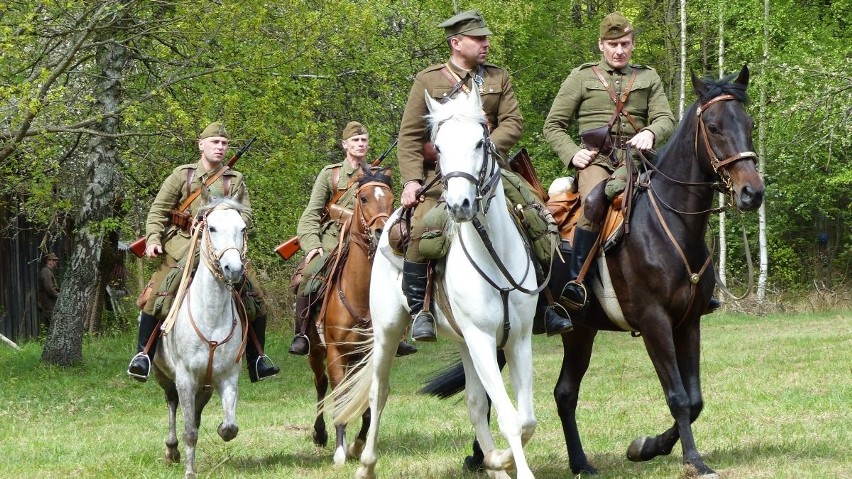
(584, 97)
(48, 290)
(163, 238)
(319, 233)
(467, 38)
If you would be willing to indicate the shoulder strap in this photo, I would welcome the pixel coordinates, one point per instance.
(619, 101)
(210, 180)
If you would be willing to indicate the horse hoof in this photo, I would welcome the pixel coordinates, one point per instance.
(320, 438)
(636, 452)
(228, 432)
(473, 464)
(172, 456)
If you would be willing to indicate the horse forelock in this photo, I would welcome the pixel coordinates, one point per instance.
(371, 175)
(222, 203)
(459, 108)
(723, 86)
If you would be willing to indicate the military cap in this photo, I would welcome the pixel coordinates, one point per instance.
(353, 128)
(615, 25)
(50, 256)
(213, 129)
(468, 23)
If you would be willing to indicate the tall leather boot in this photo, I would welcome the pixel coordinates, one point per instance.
(300, 345)
(414, 277)
(258, 367)
(140, 365)
(574, 295)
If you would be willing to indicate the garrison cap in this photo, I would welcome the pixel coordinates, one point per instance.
(353, 128)
(213, 129)
(468, 23)
(615, 25)
(49, 256)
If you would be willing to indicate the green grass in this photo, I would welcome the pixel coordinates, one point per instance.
(777, 395)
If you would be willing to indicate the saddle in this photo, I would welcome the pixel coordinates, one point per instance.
(564, 204)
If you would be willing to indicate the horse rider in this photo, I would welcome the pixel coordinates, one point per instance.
(589, 95)
(163, 237)
(467, 37)
(319, 232)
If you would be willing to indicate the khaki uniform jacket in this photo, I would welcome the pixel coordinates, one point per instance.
(158, 228)
(583, 97)
(48, 290)
(315, 231)
(498, 101)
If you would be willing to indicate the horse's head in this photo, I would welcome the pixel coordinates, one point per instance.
(373, 204)
(723, 137)
(223, 239)
(469, 170)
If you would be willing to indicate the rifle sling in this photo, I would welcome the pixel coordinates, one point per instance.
(210, 180)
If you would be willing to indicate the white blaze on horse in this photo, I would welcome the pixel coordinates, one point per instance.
(202, 349)
(485, 292)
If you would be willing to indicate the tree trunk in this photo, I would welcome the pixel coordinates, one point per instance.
(64, 343)
(723, 238)
(761, 164)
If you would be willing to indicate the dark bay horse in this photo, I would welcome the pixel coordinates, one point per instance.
(661, 271)
(346, 305)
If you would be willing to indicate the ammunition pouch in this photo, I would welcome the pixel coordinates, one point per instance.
(181, 219)
(600, 140)
(430, 154)
(434, 243)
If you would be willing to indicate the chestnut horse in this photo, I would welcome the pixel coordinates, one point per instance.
(661, 272)
(346, 304)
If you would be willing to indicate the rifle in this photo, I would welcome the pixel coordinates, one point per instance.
(522, 165)
(138, 246)
(290, 247)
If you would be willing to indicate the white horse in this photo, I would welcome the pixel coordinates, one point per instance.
(486, 295)
(202, 351)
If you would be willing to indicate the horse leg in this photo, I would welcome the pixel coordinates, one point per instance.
(473, 462)
(316, 359)
(335, 373)
(519, 356)
(484, 360)
(577, 352)
(172, 453)
(228, 429)
(357, 446)
(679, 374)
(190, 421)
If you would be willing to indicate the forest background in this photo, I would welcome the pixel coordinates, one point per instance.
(101, 99)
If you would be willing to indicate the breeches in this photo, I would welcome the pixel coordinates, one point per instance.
(589, 177)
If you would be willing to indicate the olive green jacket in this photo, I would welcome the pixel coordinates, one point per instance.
(582, 97)
(498, 102)
(48, 290)
(158, 228)
(314, 229)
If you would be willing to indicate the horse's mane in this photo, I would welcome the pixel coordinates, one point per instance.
(458, 108)
(371, 175)
(224, 202)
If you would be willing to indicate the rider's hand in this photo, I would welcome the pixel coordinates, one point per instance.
(642, 141)
(583, 157)
(409, 194)
(153, 250)
(312, 253)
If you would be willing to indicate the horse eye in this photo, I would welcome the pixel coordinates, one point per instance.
(713, 128)
(479, 144)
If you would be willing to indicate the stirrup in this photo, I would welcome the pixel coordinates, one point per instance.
(254, 372)
(424, 320)
(571, 303)
(137, 375)
(293, 345)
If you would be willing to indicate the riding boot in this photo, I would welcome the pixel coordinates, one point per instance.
(550, 318)
(414, 276)
(140, 365)
(300, 345)
(256, 360)
(574, 295)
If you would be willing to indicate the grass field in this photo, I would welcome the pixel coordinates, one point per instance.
(777, 390)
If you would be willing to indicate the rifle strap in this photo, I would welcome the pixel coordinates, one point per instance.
(618, 100)
(457, 83)
(335, 180)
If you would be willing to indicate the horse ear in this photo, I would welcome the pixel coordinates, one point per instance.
(697, 85)
(430, 103)
(476, 98)
(742, 79)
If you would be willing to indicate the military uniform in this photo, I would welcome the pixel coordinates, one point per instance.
(175, 242)
(584, 98)
(48, 291)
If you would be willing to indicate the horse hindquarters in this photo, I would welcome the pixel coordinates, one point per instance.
(577, 352)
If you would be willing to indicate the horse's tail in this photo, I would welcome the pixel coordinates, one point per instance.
(447, 383)
(352, 396)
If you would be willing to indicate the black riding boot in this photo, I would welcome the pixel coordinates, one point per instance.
(712, 306)
(300, 345)
(574, 295)
(550, 318)
(414, 287)
(140, 365)
(256, 360)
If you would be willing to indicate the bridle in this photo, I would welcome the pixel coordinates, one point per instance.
(488, 177)
(210, 256)
(719, 165)
(365, 239)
